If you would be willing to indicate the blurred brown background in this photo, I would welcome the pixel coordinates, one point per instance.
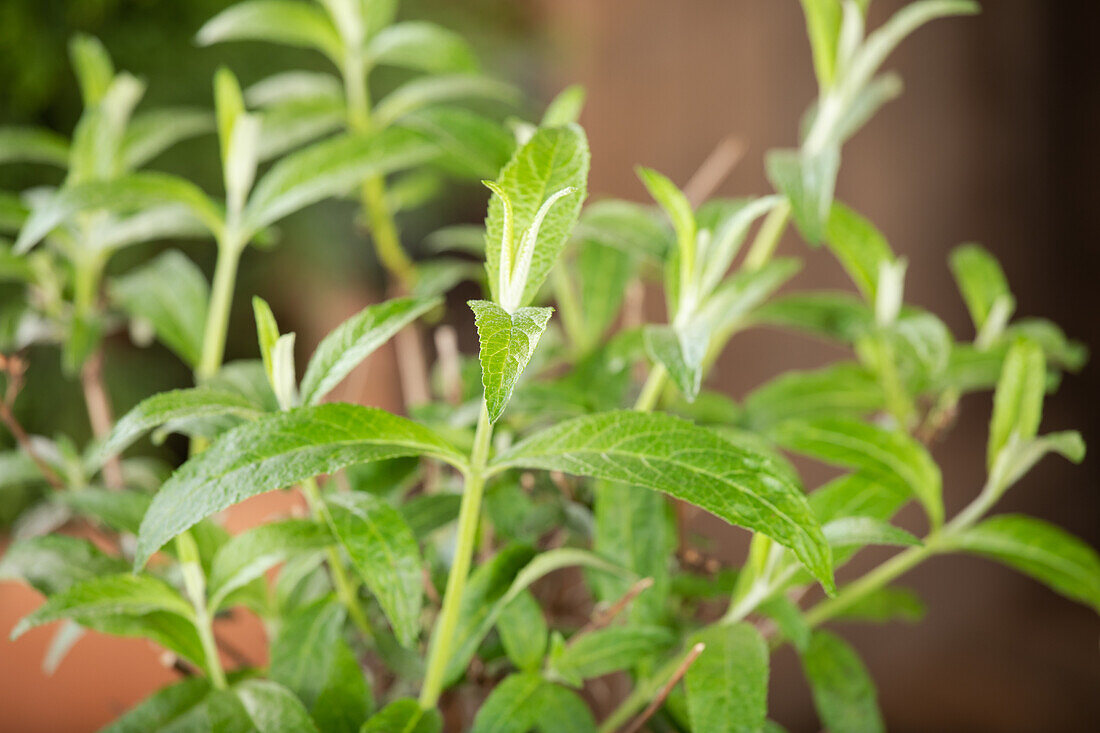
(993, 141)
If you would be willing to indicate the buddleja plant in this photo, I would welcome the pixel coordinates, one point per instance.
(408, 596)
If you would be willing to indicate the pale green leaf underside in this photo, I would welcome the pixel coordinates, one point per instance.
(171, 293)
(276, 453)
(507, 343)
(554, 159)
(354, 340)
(167, 407)
(250, 554)
(110, 595)
(665, 453)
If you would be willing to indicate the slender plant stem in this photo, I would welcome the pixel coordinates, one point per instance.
(217, 315)
(651, 390)
(469, 513)
(767, 238)
(346, 590)
(195, 584)
(210, 360)
(7, 416)
(87, 279)
(99, 414)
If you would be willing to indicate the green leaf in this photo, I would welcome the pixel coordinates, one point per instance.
(273, 708)
(843, 692)
(1019, 456)
(167, 221)
(119, 510)
(481, 604)
(842, 389)
(563, 711)
(171, 293)
(626, 226)
(891, 603)
(648, 450)
(495, 584)
(295, 86)
(252, 553)
(421, 46)
(807, 180)
(162, 708)
(678, 209)
(470, 145)
(512, 705)
(287, 125)
(635, 529)
(169, 408)
(93, 67)
(606, 650)
(886, 38)
(832, 316)
(404, 716)
(166, 628)
(278, 452)
(788, 619)
(552, 161)
(523, 631)
(428, 512)
(432, 90)
(889, 455)
(1018, 401)
(384, 551)
(288, 22)
(860, 531)
(109, 595)
(981, 281)
(727, 685)
(51, 564)
(605, 274)
(309, 657)
(859, 246)
(732, 302)
(1038, 549)
(328, 168)
(565, 108)
(127, 193)
(727, 221)
(97, 140)
(33, 145)
(151, 133)
(346, 698)
(507, 343)
(347, 345)
(823, 28)
(681, 352)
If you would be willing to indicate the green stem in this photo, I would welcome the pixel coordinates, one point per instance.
(469, 513)
(651, 390)
(217, 315)
(872, 581)
(387, 244)
(767, 238)
(195, 584)
(346, 591)
(86, 284)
